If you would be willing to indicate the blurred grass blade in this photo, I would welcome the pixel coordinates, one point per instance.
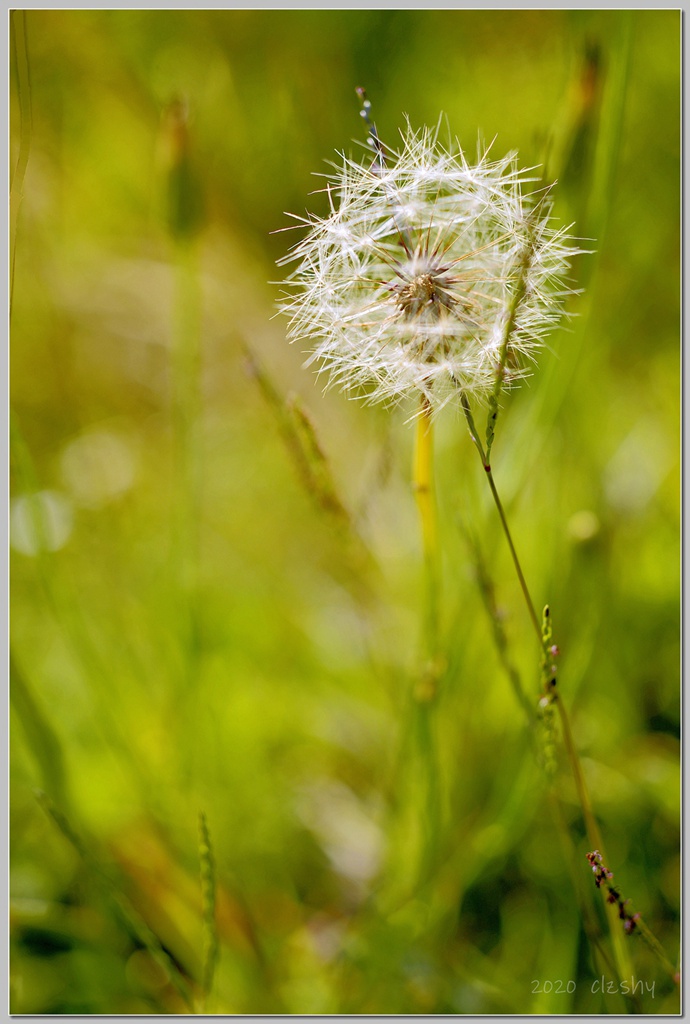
(318, 474)
(188, 453)
(129, 916)
(587, 136)
(299, 435)
(40, 735)
(300, 438)
(208, 900)
(20, 53)
(602, 194)
(63, 604)
(184, 203)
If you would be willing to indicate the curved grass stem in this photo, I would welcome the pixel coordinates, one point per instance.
(516, 561)
(620, 951)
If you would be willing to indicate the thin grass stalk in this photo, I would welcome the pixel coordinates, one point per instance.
(620, 951)
(484, 456)
(487, 591)
(632, 922)
(500, 640)
(508, 329)
(650, 938)
(618, 937)
(208, 906)
(589, 921)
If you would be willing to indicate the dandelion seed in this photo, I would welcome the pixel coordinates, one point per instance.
(429, 274)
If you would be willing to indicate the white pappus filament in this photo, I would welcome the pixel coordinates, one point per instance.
(426, 273)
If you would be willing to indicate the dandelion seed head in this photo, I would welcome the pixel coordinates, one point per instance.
(422, 268)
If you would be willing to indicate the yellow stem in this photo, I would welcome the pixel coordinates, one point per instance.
(422, 482)
(426, 688)
(422, 479)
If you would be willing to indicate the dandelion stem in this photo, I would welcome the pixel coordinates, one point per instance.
(426, 687)
(422, 482)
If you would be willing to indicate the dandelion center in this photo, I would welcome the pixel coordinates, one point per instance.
(430, 292)
(418, 294)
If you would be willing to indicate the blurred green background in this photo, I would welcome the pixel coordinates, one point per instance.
(216, 576)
